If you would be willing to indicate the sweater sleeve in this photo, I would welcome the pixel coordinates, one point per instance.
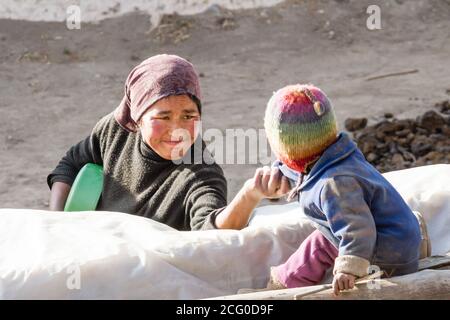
(351, 221)
(207, 198)
(85, 151)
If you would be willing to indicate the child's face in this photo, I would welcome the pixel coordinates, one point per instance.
(168, 127)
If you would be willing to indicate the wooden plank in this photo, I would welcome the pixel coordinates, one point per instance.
(426, 284)
(434, 262)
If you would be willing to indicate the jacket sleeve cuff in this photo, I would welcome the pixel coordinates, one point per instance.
(352, 265)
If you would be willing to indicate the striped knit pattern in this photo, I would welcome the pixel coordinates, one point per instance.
(298, 129)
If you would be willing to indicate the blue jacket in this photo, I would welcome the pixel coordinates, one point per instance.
(357, 209)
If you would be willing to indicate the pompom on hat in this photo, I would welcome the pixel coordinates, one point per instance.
(300, 124)
(153, 79)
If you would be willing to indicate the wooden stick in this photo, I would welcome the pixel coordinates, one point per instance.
(285, 294)
(372, 276)
(393, 74)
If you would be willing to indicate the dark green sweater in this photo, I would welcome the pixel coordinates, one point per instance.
(138, 181)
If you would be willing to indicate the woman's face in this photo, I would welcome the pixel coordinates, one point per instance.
(168, 127)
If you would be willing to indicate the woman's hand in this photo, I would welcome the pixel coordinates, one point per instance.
(267, 183)
(343, 281)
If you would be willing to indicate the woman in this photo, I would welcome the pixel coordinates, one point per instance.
(144, 158)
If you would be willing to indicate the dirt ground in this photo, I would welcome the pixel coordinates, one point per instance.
(56, 83)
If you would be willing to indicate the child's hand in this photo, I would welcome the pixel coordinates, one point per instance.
(343, 281)
(268, 183)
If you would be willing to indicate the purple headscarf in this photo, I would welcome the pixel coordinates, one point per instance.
(155, 78)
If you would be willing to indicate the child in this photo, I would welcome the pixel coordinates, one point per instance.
(361, 219)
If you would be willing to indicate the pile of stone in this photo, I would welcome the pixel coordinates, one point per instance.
(394, 144)
(173, 28)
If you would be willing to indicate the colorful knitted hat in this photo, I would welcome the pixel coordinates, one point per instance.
(300, 124)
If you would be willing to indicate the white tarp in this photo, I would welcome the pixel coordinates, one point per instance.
(107, 255)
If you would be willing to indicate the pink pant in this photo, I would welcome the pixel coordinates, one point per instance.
(308, 265)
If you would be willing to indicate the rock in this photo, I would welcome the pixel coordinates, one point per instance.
(431, 121)
(380, 135)
(444, 106)
(421, 162)
(403, 133)
(366, 133)
(371, 157)
(382, 148)
(379, 124)
(405, 124)
(403, 142)
(433, 156)
(389, 127)
(420, 146)
(421, 131)
(443, 149)
(397, 144)
(369, 146)
(398, 161)
(446, 131)
(392, 147)
(354, 124)
(437, 136)
(408, 156)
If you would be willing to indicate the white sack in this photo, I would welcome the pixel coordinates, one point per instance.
(110, 255)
